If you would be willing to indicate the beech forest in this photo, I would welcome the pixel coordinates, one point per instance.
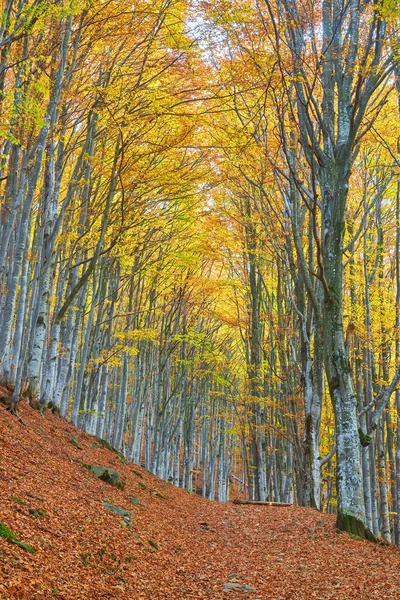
(200, 242)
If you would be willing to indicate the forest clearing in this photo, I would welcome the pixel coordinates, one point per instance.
(200, 266)
(176, 545)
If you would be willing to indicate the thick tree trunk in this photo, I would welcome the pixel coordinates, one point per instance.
(351, 512)
(384, 505)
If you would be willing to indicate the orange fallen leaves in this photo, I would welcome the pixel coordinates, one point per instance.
(85, 553)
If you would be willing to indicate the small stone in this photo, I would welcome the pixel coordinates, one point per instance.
(108, 475)
(159, 494)
(239, 587)
(37, 512)
(73, 440)
(228, 587)
(134, 500)
(248, 588)
(322, 523)
(118, 511)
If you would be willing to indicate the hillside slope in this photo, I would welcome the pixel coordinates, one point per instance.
(171, 545)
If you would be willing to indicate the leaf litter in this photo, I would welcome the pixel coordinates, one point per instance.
(174, 545)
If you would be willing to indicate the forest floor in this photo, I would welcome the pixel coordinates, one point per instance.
(172, 545)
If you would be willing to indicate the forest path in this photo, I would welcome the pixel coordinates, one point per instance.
(174, 546)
